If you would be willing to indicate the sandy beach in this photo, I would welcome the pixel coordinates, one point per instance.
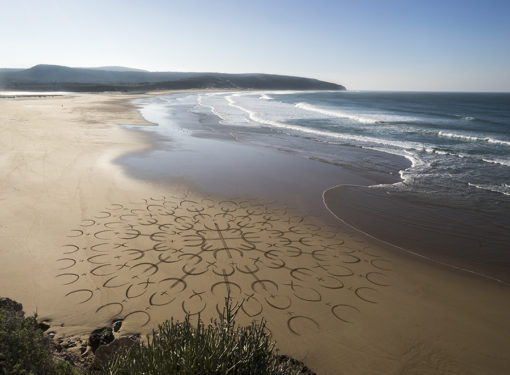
(83, 244)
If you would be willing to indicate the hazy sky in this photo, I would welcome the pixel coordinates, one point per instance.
(457, 45)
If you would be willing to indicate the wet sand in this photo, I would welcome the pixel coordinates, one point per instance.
(83, 244)
(199, 152)
(462, 239)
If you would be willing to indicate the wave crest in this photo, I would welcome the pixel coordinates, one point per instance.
(470, 138)
(501, 188)
(340, 114)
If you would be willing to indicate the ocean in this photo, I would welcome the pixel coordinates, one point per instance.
(458, 144)
(448, 155)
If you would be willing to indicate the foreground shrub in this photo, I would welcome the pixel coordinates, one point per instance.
(175, 348)
(221, 347)
(23, 347)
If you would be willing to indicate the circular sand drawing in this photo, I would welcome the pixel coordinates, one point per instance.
(185, 254)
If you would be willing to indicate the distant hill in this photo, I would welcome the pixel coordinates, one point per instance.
(56, 77)
(119, 69)
(7, 70)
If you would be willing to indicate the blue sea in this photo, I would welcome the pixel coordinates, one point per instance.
(444, 150)
(458, 144)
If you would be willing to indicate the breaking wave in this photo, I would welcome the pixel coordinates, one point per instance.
(469, 138)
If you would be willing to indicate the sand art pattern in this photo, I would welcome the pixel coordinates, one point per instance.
(184, 254)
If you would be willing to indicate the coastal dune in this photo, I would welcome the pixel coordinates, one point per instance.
(83, 245)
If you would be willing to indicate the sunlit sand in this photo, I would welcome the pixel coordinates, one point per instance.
(83, 245)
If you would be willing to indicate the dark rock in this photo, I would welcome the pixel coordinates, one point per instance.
(101, 336)
(289, 364)
(43, 326)
(116, 325)
(70, 344)
(69, 358)
(68, 350)
(105, 352)
(11, 305)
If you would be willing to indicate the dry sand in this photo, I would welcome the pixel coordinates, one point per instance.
(83, 245)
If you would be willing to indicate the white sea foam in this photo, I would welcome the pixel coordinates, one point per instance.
(461, 155)
(441, 152)
(211, 107)
(335, 113)
(228, 114)
(467, 118)
(417, 164)
(265, 97)
(237, 107)
(506, 163)
(497, 141)
(470, 138)
(501, 188)
(253, 116)
(397, 147)
(467, 156)
(292, 92)
(188, 99)
(432, 150)
(366, 118)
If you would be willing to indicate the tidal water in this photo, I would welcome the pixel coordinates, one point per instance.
(459, 144)
(457, 147)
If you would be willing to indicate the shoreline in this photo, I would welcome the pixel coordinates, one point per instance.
(400, 248)
(355, 304)
(433, 242)
(210, 130)
(190, 141)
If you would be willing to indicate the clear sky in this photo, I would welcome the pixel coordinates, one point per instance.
(452, 45)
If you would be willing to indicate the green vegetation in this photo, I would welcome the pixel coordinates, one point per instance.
(221, 347)
(175, 348)
(24, 349)
(57, 78)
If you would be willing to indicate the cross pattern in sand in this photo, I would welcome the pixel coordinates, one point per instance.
(184, 255)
